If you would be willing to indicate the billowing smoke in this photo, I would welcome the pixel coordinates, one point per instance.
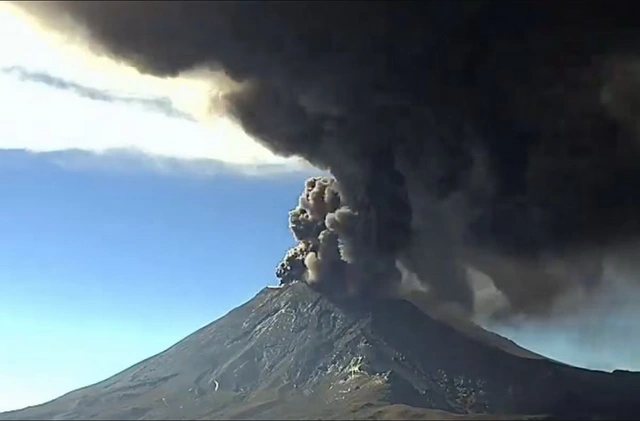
(334, 250)
(498, 136)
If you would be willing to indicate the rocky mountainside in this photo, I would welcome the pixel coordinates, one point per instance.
(291, 353)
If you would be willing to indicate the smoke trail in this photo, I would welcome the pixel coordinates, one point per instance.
(470, 133)
(593, 331)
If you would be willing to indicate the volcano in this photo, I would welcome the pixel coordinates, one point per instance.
(292, 353)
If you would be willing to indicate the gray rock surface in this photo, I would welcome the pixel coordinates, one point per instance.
(291, 353)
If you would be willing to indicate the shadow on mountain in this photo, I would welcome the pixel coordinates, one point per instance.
(291, 353)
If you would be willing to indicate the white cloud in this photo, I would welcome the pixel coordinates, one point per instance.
(25, 44)
(44, 118)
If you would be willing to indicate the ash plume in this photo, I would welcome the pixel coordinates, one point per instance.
(500, 136)
(334, 250)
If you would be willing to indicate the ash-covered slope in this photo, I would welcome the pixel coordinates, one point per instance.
(291, 353)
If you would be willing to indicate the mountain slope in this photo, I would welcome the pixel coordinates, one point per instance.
(291, 353)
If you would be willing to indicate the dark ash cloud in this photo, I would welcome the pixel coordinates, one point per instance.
(451, 126)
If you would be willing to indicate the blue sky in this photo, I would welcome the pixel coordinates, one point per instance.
(126, 224)
(100, 270)
(134, 212)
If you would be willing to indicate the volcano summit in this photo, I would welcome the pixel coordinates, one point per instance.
(496, 137)
(291, 353)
